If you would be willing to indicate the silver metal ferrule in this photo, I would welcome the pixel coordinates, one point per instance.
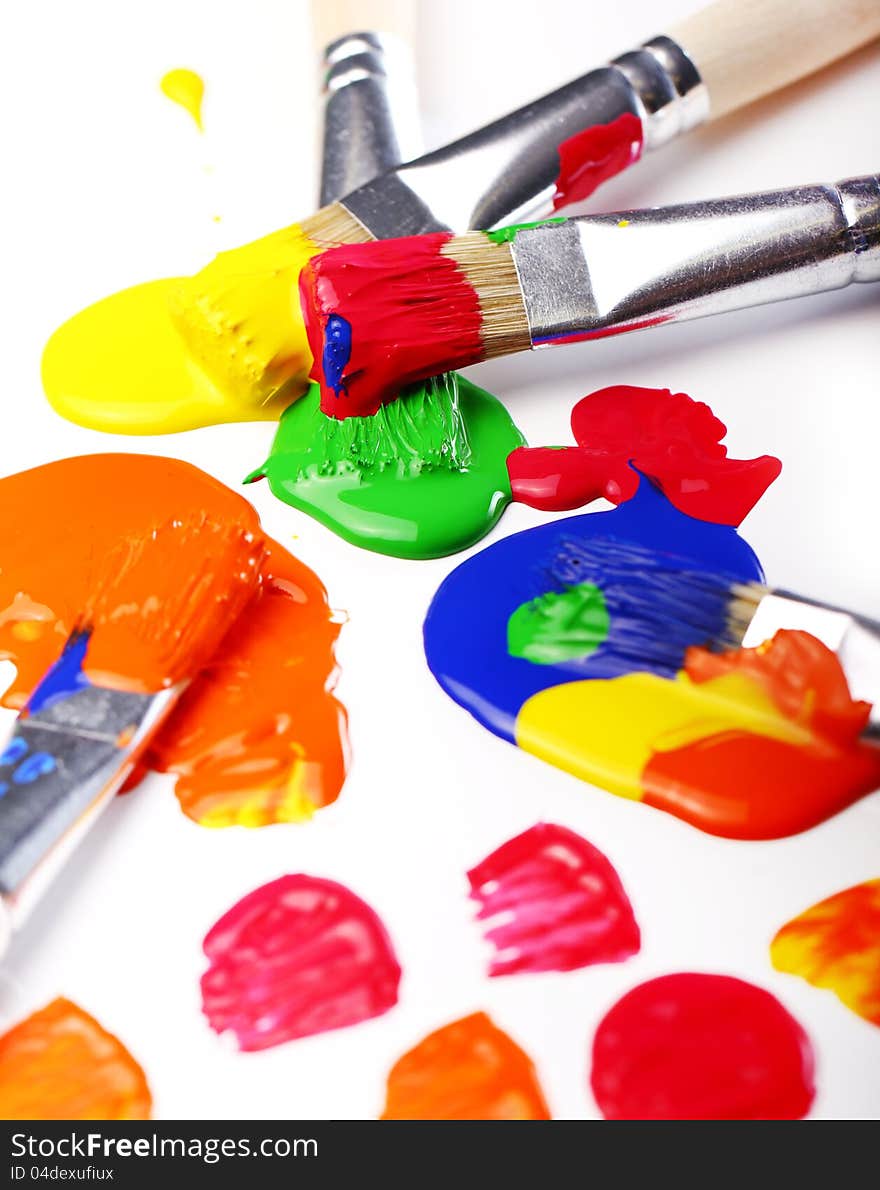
(370, 110)
(507, 172)
(80, 749)
(855, 639)
(605, 274)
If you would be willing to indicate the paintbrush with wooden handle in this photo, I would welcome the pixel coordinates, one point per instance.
(380, 316)
(236, 315)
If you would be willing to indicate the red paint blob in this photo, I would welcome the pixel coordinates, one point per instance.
(747, 786)
(667, 436)
(412, 311)
(701, 1047)
(591, 157)
(295, 957)
(563, 904)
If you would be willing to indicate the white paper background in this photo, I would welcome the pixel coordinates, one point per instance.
(105, 186)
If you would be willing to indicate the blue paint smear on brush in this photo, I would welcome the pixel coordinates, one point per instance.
(465, 632)
(65, 677)
(337, 352)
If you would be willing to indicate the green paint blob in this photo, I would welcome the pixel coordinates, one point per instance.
(559, 625)
(503, 235)
(424, 477)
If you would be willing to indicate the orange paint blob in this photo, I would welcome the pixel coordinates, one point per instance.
(836, 945)
(60, 1064)
(469, 1070)
(743, 785)
(257, 737)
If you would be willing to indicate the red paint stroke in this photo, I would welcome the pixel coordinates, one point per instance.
(61, 1064)
(298, 956)
(257, 737)
(413, 313)
(469, 1070)
(836, 945)
(747, 786)
(563, 904)
(667, 436)
(701, 1047)
(592, 156)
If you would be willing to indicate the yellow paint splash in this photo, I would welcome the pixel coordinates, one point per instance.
(606, 731)
(187, 89)
(225, 345)
(836, 945)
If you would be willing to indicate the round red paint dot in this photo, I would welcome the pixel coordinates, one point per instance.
(701, 1047)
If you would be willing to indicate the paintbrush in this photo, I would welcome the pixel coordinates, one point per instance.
(660, 606)
(370, 106)
(235, 315)
(130, 656)
(380, 316)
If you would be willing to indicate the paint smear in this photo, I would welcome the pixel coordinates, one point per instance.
(701, 1047)
(798, 763)
(257, 737)
(753, 744)
(624, 431)
(225, 345)
(296, 957)
(836, 945)
(592, 156)
(552, 902)
(414, 311)
(60, 1064)
(187, 89)
(423, 477)
(469, 1070)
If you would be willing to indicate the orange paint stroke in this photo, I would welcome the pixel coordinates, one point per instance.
(469, 1070)
(747, 786)
(258, 737)
(60, 1064)
(836, 945)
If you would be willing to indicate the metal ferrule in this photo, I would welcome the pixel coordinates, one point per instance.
(506, 172)
(90, 739)
(855, 640)
(370, 111)
(606, 274)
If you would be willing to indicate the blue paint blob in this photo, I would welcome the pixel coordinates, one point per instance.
(337, 352)
(14, 751)
(65, 677)
(38, 764)
(465, 630)
(4, 788)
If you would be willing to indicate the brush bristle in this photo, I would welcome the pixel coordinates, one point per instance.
(490, 270)
(162, 602)
(335, 225)
(659, 603)
(386, 315)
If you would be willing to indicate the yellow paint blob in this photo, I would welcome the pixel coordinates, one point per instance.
(606, 731)
(226, 345)
(187, 89)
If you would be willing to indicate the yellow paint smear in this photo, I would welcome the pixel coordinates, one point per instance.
(187, 89)
(225, 345)
(605, 731)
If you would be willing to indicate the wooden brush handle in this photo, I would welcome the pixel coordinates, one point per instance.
(745, 49)
(334, 18)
